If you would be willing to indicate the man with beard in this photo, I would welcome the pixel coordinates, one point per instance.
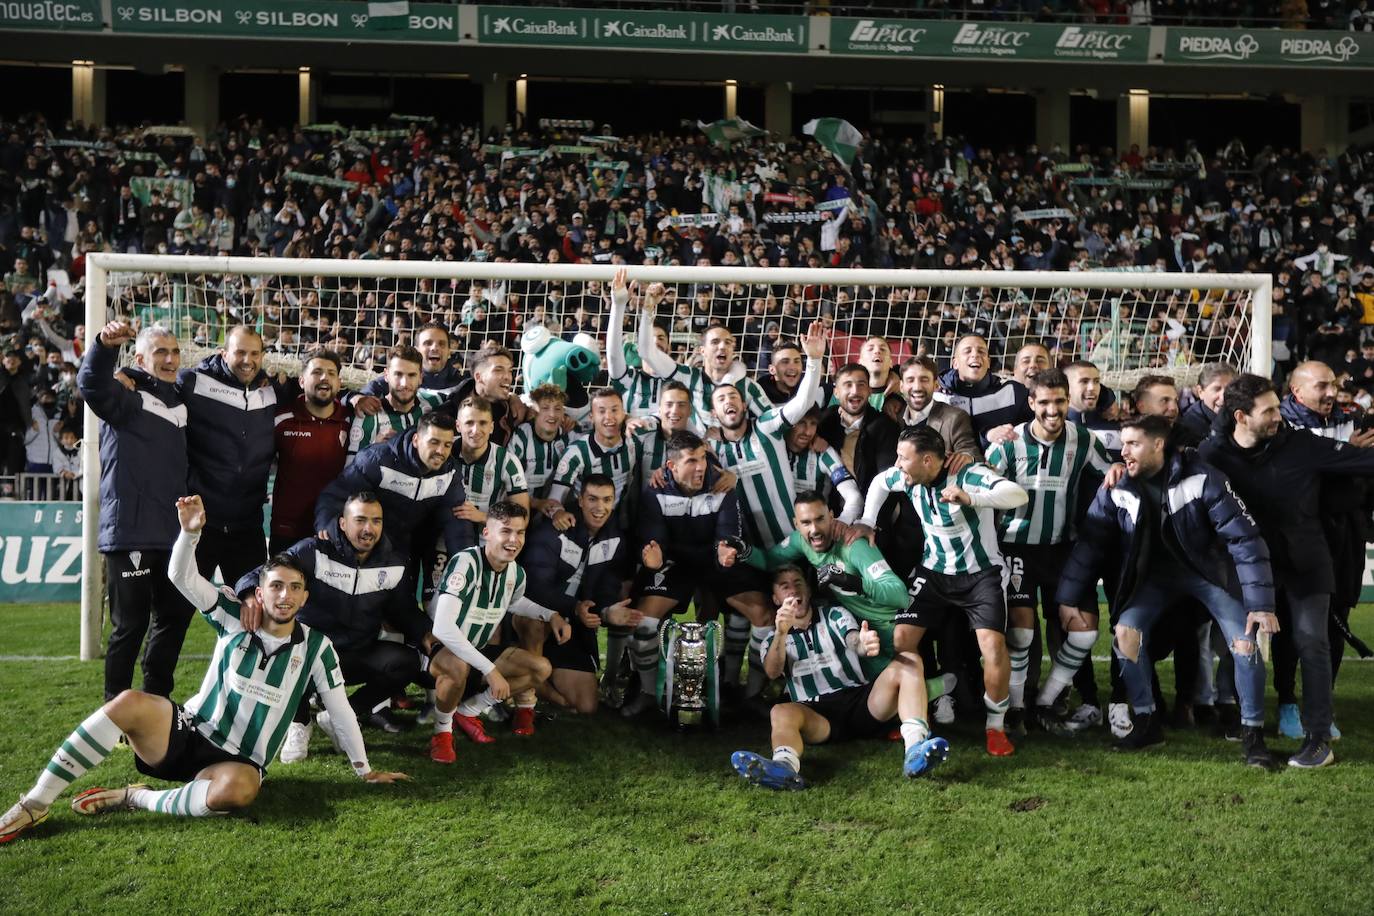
(865, 437)
(402, 406)
(357, 583)
(1156, 396)
(876, 356)
(1343, 514)
(1179, 529)
(312, 445)
(231, 408)
(719, 366)
(440, 375)
(1049, 457)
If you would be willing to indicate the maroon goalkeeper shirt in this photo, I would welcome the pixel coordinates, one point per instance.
(310, 454)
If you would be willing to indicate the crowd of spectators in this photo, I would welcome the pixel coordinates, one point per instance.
(422, 191)
(1289, 14)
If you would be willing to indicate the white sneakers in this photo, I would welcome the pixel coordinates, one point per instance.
(297, 745)
(943, 710)
(1084, 717)
(1119, 716)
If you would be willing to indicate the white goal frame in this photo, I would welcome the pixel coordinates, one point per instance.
(98, 267)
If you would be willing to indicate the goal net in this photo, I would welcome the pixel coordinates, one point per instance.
(1129, 324)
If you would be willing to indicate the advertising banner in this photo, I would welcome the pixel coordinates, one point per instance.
(1269, 48)
(40, 552)
(987, 40)
(309, 20)
(62, 15)
(646, 29)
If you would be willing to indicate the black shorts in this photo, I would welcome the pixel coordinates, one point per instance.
(476, 681)
(188, 752)
(1033, 570)
(579, 653)
(847, 712)
(980, 595)
(679, 581)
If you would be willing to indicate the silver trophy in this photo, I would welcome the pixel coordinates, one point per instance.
(689, 672)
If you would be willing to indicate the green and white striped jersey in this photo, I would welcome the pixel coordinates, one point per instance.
(819, 661)
(766, 487)
(811, 471)
(538, 458)
(699, 387)
(584, 455)
(371, 430)
(1050, 473)
(250, 693)
(485, 595)
(653, 452)
(958, 539)
(495, 475)
(639, 390)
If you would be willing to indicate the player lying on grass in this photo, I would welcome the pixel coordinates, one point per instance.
(219, 743)
(818, 650)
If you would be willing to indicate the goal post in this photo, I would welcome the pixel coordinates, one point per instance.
(1130, 323)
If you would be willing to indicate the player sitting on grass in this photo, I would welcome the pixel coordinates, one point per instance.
(479, 586)
(219, 743)
(818, 650)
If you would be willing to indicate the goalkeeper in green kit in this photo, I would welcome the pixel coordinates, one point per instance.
(855, 574)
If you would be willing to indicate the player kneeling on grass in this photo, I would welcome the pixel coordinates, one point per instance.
(818, 650)
(219, 743)
(479, 586)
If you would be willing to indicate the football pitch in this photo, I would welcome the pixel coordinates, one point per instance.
(599, 815)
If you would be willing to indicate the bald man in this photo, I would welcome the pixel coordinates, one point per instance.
(1344, 508)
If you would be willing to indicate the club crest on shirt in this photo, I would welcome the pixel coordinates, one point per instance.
(294, 664)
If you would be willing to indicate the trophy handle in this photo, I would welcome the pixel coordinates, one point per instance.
(718, 632)
(665, 631)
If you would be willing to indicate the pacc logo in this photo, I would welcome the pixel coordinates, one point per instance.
(1080, 39)
(866, 30)
(970, 34)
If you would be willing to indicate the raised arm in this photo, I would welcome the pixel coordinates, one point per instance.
(615, 331)
(107, 398)
(813, 344)
(657, 362)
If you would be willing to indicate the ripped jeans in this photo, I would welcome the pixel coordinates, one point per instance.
(1148, 604)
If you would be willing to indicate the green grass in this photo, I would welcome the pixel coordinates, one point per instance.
(599, 815)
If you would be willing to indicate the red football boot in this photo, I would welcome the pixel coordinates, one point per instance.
(522, 723)
(441, 747)
(999, 745)
(472, 727)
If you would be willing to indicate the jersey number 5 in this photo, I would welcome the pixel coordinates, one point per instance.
(916, 585)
